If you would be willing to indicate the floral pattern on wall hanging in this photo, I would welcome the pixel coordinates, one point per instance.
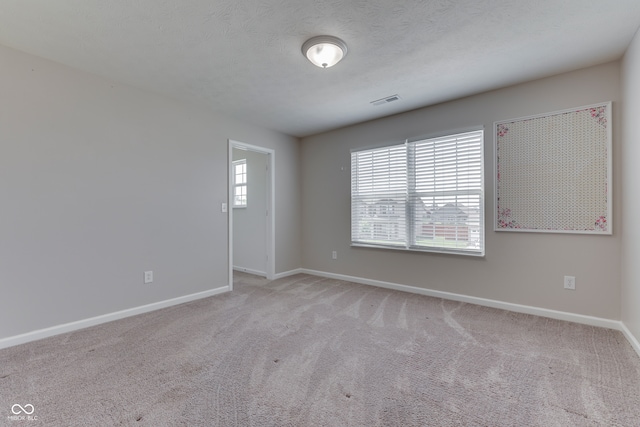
(553, 172)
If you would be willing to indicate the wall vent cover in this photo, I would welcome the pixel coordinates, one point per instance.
(386, 100)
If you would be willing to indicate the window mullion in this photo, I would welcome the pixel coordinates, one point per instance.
(410, 197)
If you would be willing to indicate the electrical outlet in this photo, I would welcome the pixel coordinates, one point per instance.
(334, 255)
(148, 276)
(570, 282)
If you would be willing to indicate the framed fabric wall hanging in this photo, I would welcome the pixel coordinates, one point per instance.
(553, 172)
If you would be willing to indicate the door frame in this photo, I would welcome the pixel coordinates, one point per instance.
(270, 214)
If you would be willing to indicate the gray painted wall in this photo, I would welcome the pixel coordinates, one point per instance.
(631, 189)
(100, 182)
(250, 223)
(522, 268)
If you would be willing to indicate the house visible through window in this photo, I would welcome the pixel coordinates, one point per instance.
(425, 195)
(240, 183)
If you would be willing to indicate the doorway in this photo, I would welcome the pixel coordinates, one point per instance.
(251, 213)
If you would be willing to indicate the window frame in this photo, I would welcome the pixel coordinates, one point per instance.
(238, 185)
(471, 192)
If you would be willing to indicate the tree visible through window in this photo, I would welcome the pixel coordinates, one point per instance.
(240, 183)
(425, 195)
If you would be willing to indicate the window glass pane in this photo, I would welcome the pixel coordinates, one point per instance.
(241, 173)
(240, 195)
(240, 183)
(448, 222)
(448, 204)
(378, 188)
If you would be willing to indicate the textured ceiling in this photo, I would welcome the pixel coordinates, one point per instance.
(242, 58)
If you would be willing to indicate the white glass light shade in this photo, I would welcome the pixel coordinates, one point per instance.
(324, 51)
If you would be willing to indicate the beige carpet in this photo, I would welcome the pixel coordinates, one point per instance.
(307, 351)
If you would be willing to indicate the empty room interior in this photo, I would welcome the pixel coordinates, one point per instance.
(320, 213)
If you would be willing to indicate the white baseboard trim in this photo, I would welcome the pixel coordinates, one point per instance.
(250, 271)
(526, 309)
(288, 273)
(629, 336)
(85, 323)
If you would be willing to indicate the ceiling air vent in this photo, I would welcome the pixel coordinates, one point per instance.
(386, 100)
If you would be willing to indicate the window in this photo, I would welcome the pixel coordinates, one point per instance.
(240, 183)
(424, 195)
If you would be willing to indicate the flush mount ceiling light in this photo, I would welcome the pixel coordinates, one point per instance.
(324, 51)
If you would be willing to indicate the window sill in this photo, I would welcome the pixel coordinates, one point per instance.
(474, 254)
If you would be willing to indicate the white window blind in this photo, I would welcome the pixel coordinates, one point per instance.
(421, 195)
(378, 194)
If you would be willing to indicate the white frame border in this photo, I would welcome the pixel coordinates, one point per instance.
(609, 115)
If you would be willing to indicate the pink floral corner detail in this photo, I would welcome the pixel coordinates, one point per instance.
(502, 130)
(601, 223)
(599, 113)
(504, 220)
